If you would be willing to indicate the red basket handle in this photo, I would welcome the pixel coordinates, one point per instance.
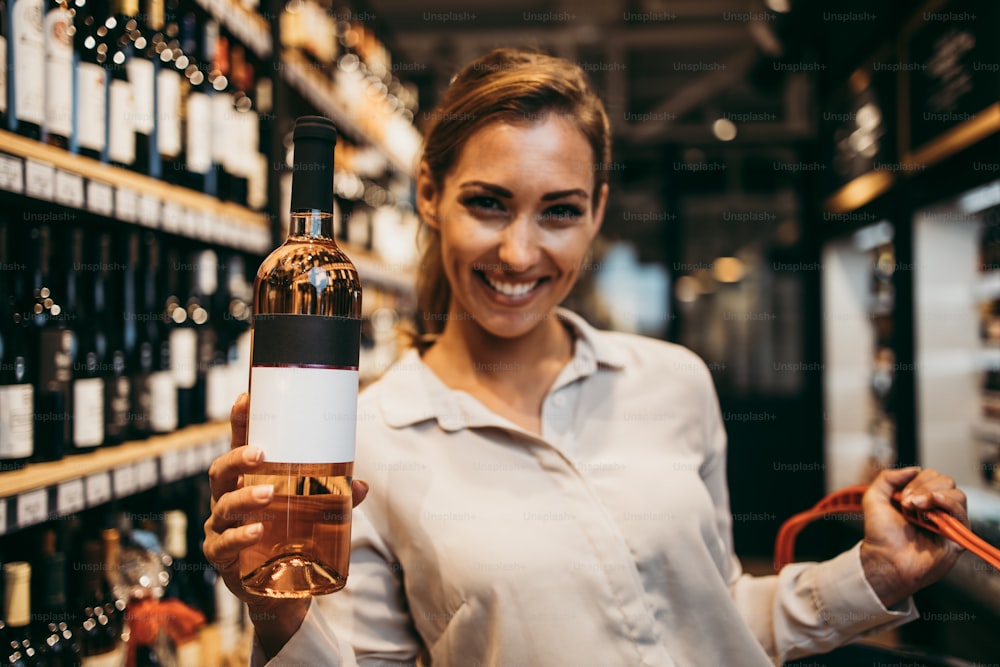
(848, 501)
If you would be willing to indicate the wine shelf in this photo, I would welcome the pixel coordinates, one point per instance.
(249, 27)
(48, 173)
(319, 89)
(44, 491)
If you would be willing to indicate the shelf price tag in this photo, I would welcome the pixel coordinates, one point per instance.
(147, 474)
(40, 180)
(173, 218)
(125, 480)
(192, 224)
(69, 189)
(170, 466)
(11, 173)
(100, 198)
(126, 204)
(192, 460)
(98, 488)
(71, 497)
(149, 210)
(32, 507)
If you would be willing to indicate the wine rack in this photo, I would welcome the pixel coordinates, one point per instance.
(45, 491)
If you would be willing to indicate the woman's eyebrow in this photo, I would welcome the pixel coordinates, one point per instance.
(577, 192)
(495, 189)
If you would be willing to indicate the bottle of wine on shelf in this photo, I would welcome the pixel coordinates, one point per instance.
(88, 383)
(111, 329)
(101, 624)
(56, 626)
(3, 72)
(198, 174)
(169, 95)
(304, 386)
(53, 346)
(16, 390)
(21, 648)
(203, 287)
(90, 90)
(142, 68)
(58, 73)
(182, 337)
(121, 137)
(154, 394)
(27, 112)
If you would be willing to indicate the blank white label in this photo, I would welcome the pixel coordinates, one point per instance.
(303, 415)
(125, 481)
(184, 357)
(17, 421)
(147, 474)
(170, 466)
(58, 72)
(121, 132)
(168, 112)
(163, 402)
(141, 77)
(199, 133)
(126, 204)
(149, 210)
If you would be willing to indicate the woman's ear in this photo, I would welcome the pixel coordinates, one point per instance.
(427, 196)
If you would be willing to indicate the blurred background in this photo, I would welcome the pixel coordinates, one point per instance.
(806, 193)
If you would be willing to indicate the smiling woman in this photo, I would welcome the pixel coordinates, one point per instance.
(543, 492)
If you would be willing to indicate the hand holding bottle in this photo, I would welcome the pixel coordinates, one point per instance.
(275, 620)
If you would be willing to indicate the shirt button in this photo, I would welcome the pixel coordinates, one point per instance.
(559, 400)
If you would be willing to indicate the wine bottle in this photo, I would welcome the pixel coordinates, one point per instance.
(55, 625)
(182, 336)
(197, 153)
(88, 384)
(154, 394)
(303, 387)
(121, 137)
(142, 69)
(111, 330)
(99, 634)
(16, 391)
(181, 585)
(21, 648)
(170, 98)
(3, 72)
(58, 73)
(204, 285)
(90, 92)
(28, 67)
(53, 346)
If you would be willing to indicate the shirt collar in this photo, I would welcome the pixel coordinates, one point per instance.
(411, 393)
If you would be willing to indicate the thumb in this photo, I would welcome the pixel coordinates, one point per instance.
(891, 480)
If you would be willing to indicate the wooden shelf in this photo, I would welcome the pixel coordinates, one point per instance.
(42, 491)
(159, 205)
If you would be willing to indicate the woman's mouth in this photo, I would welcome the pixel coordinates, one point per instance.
(510, 289)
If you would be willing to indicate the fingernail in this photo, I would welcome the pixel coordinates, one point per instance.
(254, 455)
(263, 492)
(254, 530)
(920, 501)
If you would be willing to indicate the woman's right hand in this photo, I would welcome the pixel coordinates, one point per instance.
(275, 620)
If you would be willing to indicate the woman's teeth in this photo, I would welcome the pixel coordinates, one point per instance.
(511, 289)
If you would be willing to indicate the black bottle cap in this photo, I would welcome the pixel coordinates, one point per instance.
(312, 179)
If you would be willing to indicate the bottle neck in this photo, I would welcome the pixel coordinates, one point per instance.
(314, 223)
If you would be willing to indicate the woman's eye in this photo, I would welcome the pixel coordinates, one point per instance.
(562, 212)
(483, 203)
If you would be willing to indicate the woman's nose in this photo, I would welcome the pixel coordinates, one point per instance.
(519, 248)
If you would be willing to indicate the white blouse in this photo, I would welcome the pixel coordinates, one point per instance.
(605, 542)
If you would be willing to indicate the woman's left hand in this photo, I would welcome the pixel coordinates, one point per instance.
(899, 558)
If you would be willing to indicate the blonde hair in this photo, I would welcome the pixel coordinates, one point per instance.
(505, 85)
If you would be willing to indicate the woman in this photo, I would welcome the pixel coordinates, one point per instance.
(543, 493)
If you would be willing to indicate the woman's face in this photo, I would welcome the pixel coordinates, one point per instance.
(516, 217)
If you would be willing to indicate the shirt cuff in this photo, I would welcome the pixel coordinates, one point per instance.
(314, 643)
(846, 601)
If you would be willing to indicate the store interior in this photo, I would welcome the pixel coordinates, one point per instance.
(806, 194)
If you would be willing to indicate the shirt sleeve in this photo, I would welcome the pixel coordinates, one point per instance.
(807, 608)
(364, 624)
